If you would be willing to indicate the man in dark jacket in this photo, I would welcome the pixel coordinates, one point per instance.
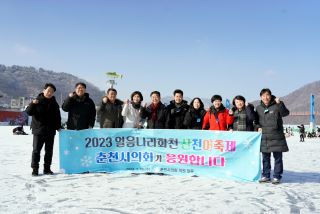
(110, 110)
(46, 119)
(155, 113)
(81, 109)
(177, 110)
(270, 113)
(302, 132)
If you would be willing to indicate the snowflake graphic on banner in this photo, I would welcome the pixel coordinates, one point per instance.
(86, 161)
(247, 143)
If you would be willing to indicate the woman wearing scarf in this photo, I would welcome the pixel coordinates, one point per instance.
(131, 111)
(244, 115)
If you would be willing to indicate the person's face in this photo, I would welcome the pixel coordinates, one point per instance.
(48, 92)
(216, 103)
(196, 104)
(112, 95)
(155, 99)
(178, 98)
(80, 90)
(136, 98)
(266, 98)
(239, 104)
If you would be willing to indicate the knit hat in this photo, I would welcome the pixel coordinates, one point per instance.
(216, 97)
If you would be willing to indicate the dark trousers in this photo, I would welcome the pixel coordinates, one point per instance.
(38, 141)
(301, 137)
(278, 164)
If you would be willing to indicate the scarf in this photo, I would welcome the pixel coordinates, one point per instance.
(154, 111)
(136, 105)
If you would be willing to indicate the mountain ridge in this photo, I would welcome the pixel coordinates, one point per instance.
(31, 81)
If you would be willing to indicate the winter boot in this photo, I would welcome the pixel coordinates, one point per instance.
(47, 170)
(264, 180)
(35, 172)
(276, 181)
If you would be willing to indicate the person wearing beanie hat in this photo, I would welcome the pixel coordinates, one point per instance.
(244, 115)
(217, 117)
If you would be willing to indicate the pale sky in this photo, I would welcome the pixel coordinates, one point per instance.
(203, 47)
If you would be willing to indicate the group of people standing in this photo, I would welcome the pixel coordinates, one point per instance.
(114, 113)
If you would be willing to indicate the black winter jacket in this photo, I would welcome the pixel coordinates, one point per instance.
(176, 114)
(251, 117)
(160, 123)
(46, 118)
(110, 114)
(270, 120)
(194, 118)
(81, 112)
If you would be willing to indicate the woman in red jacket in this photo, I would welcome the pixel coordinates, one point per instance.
(217, 117)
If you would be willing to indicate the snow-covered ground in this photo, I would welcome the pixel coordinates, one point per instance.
(126, 193)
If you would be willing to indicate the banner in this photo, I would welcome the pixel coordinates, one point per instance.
(14, 117)
(217, 154)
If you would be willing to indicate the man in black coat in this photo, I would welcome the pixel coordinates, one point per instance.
(176, 111)
(110, 110)
(46, 119)
(270, 113)
(81, 109)
(302, 132)
(155, 113)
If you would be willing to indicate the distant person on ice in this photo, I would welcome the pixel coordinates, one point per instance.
(270, 113)
(176, 111)
(302, 132)
(46, 119)
(80, 107)
(19, 130)
(217, 117)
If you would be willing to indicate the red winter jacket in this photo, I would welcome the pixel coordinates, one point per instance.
(218, 122)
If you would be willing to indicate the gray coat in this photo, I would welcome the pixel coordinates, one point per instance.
(270, 120)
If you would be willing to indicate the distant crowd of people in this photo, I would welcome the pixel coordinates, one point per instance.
(115, 113)
(308, 134)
